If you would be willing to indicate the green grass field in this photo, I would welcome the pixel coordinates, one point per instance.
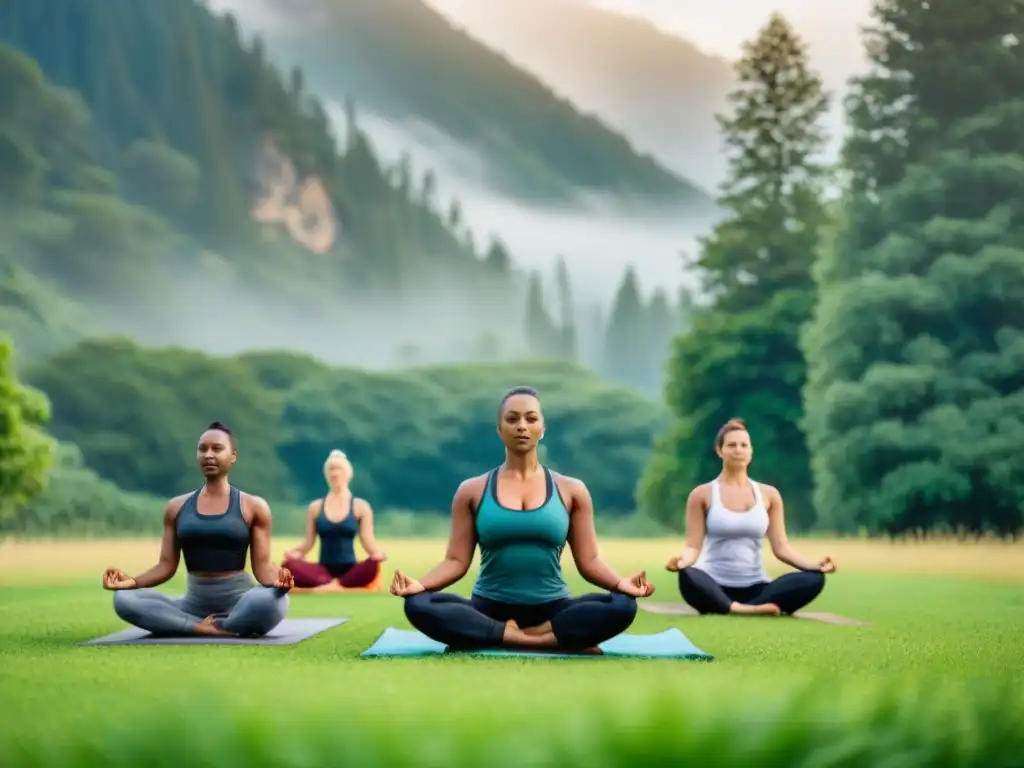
(935, 678)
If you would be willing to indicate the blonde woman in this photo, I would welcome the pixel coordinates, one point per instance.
(337, 519)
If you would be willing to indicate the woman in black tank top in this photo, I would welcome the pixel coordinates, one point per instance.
(214, 528)
(336, 519)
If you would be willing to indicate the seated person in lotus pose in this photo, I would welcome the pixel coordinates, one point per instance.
(213, 528)
(337, 518)
(522, 515)
(721, 568)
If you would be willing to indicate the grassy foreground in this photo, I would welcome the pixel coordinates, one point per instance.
(935, 679)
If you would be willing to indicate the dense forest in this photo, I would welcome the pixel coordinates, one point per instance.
(404, 60)
(875, 346)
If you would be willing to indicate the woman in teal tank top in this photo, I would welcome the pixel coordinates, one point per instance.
(521, 515)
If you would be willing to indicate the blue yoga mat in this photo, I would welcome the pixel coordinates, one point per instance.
(670, 644)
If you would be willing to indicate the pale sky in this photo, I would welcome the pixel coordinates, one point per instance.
(831, 29)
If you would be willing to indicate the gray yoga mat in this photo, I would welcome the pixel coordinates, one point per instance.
(682, 609)
(288, 632)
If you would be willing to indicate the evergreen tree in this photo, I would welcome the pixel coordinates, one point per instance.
(568, 347)
(541, 332)
(26, 453)
(625, 360)
(661, 324)
(915, 394)
(740, 355)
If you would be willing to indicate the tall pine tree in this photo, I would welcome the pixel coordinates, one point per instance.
(567, 308)
(915, 394)
(741, 355)
(625, 358)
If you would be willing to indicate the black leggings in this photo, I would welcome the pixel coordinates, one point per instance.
(577, 623)
(791, 591)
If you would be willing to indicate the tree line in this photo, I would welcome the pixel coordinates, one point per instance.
(875, 343)
(412, 436)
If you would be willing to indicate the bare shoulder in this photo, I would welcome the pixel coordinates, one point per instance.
(313, 508)
(174, 507)
(255, 505)
(570, 487)
(770, 493)
(471, 490)
(472, 485)
(701, 493)
(361, 507)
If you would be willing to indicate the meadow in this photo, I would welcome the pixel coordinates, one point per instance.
(934, 678)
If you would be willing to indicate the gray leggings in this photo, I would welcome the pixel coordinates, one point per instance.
(243, 607)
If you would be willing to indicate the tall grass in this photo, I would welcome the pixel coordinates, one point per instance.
(906, 726)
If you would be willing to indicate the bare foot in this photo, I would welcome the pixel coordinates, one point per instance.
(208, 627)
(540, 629)
(595, 651)
(768, 609)
(514, 636)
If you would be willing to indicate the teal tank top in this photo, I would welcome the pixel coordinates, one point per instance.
(521, 550)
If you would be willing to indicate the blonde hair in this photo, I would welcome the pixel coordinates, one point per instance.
(338, 458)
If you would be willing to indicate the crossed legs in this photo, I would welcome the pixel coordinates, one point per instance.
(254, 613)
(580, 623)
(786, 594)
(308, 575)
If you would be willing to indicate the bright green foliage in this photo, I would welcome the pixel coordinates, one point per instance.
(915, 399)
(740, 354)
(412, 435)
(26, 453)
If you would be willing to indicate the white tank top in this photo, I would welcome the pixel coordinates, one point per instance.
(733, 551)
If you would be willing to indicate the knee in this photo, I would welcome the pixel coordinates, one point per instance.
(416, 607)
(623, 607)
(126, 605)
(269, 599)
(815, 581)
(685, 577)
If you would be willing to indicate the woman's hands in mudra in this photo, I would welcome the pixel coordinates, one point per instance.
(636, 586)
(405, 586)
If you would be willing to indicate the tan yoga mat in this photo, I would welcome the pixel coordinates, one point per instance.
(682, 609)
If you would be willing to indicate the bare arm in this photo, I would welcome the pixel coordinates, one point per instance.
(696, 512)
(777, 538)
(309, 537)
(170, 552)
(365, 520)
(583, 541)
(263, 567)
(461, 541)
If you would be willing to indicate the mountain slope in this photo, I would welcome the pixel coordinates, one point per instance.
(405, 61)
(660, 90)
(155, 166)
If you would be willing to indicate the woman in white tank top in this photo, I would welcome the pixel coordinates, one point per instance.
(721, 568)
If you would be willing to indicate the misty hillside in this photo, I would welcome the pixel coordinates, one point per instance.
(161, 178)
(406, 62)
(173, 185)
(660, 90)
